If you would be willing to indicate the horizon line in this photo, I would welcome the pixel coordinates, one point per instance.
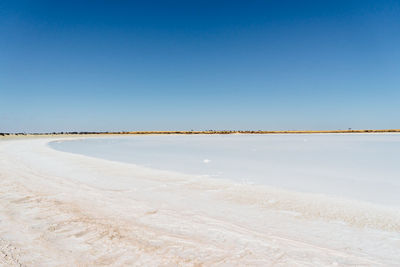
(205, 132)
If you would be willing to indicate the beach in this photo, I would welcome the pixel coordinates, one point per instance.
(65, 209)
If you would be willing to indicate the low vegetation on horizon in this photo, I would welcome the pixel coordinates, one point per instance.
(210, 132)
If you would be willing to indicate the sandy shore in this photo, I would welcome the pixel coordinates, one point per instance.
(61, 209)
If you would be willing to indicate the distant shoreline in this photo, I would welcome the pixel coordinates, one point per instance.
(198, 132)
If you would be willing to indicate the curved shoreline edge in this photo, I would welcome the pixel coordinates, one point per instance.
(308, 205)
(183, 215)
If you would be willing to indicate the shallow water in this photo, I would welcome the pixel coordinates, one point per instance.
(356, 166)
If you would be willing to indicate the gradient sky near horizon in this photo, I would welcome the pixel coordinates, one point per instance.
(181, 65)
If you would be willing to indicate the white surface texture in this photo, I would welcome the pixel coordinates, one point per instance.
(64, 209)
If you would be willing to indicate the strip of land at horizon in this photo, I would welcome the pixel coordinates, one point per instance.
(208, 132)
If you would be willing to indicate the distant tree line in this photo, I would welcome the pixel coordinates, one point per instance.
(208, 132)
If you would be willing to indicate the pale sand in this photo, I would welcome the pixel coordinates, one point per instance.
(61, 209)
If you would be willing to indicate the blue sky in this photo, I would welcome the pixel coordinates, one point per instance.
(166, 65)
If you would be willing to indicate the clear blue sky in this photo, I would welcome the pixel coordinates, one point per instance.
(163, 65)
